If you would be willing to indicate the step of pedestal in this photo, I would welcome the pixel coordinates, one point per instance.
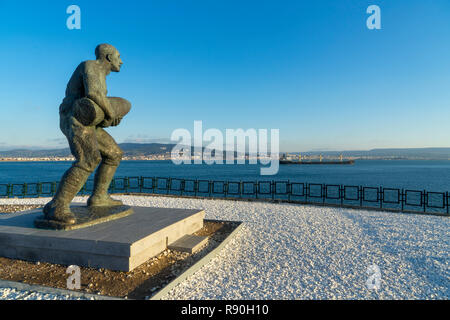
(188, 243)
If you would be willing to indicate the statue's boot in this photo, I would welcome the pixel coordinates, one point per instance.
(58, 209)
(102, 180)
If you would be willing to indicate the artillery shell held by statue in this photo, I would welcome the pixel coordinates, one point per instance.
(88, 113)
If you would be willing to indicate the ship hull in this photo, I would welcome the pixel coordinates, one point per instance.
(317, 162)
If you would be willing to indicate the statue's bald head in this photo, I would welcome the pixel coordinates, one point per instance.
(109, 53)
(102, 50)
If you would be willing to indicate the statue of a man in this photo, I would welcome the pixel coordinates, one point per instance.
(90, 144)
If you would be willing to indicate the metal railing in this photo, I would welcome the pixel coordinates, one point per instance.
(395, 199)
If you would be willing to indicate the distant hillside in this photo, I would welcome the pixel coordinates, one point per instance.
(406, 153)
(138, 149)
(129, 149)
(24, 153)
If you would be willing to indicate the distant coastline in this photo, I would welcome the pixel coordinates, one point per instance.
(158, 151)
(71, 159)
(32, 159)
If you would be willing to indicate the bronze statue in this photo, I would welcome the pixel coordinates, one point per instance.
(84, 113)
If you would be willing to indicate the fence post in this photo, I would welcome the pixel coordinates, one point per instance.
(240, 189)
(447, 196)
(39, 189)
(425, 200)
(153, 184)
(361, 194)
(324, 192)
(289, 190)
(380, 190)
(341, 194)
(402, 199)
(225, 188)
(273, 189)
(195, 187)
(306, 191)
(24, 190)
(210, 184)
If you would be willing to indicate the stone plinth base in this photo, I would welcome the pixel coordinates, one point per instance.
(121, 244)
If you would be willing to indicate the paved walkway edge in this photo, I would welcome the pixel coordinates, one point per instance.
(198, 265)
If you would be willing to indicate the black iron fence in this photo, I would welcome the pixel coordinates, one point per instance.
(405, 200)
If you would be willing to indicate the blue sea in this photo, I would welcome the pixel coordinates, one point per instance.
(408, 174)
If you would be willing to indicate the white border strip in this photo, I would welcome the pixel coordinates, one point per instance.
(48, 290)
(198, 265)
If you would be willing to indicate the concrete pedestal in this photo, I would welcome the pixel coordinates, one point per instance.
(121, 244)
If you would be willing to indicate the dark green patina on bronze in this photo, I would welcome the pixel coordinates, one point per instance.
(84, 114)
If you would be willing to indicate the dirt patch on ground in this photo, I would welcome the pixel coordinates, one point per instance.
(141, 283)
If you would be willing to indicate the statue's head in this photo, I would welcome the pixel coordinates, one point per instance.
(109, 54)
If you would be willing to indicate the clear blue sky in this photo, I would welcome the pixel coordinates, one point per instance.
(309, 68)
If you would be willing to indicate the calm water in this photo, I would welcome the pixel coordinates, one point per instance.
(429, 175)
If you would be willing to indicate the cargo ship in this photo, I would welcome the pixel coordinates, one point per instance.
(284, 160)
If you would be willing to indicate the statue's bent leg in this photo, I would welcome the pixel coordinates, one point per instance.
(71, 183)
(84, 147)
(111, 156)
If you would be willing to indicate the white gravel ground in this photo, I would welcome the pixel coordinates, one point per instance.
(13, 294)
(288, 251)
